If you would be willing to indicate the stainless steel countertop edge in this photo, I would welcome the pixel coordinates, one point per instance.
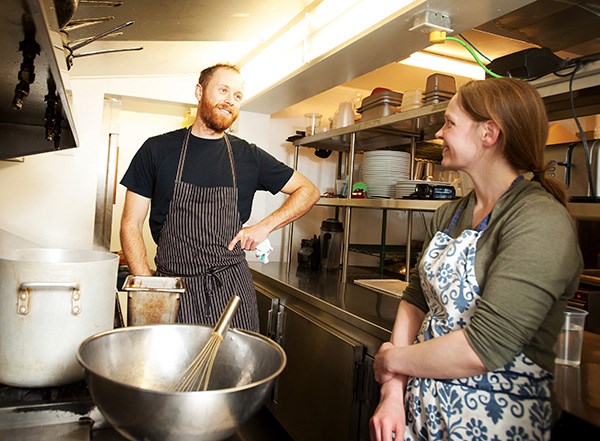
(281, 287)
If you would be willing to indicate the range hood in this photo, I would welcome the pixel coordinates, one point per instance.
(35, 107)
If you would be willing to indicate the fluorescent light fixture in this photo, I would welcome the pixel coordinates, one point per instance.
(447, 65)
(324, 26)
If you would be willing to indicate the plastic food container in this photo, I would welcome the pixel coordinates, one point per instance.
(411, 100)
(440, 83)
(379, 104)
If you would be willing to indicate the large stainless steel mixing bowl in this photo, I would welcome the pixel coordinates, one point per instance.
(128, 371)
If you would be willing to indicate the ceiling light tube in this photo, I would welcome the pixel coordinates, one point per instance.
(442, 64)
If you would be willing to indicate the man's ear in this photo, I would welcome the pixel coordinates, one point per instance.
(198, 92)
(491, 132)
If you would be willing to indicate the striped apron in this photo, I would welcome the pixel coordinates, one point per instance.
(193, 245)
(510, 403)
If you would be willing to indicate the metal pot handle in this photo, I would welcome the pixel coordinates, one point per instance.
(23, 298)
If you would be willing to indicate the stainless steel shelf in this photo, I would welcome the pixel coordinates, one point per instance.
(389, 131)
(392, 204)
(400, 129)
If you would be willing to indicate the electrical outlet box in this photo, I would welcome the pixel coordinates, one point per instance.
(428, 21)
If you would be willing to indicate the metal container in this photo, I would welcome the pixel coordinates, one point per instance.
(440, 83)
(50, 301)
(331, 240)
(380, 104)
(128, 371)
(152, 300)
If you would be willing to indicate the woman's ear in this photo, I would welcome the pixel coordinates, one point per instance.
(491, 132)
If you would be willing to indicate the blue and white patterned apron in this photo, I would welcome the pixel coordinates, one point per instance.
(510, 403)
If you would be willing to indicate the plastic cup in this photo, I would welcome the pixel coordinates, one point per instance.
(411, 100)
(313, 121)
(340, 187)
(570, 340)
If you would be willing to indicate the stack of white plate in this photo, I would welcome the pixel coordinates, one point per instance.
(406, 188)
(381, 170)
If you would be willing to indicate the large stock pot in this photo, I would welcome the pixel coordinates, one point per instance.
(52, 299)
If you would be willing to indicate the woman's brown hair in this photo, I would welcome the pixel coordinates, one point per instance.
(520, 113)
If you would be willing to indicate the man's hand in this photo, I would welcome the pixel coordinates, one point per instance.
(249, 237)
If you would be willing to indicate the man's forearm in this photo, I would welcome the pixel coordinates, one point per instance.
(294, 207)
(134, 250)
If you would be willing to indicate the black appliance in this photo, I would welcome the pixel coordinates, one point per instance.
(309, 255)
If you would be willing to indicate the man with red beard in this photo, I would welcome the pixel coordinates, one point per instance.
(198, 184)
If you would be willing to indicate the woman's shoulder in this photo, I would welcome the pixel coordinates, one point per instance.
(530, 204)
(531, 196)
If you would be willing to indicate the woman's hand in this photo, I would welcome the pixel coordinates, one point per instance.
(382, 373)
(389, 420)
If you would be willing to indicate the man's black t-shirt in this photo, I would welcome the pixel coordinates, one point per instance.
(153, 169)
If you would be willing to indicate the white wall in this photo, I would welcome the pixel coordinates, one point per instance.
(137, 120)
(50, 198)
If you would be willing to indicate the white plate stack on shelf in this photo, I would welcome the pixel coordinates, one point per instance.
(381, 170)
(406, 188)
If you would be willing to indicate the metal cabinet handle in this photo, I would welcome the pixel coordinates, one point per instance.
(24, 295)
(272, 319)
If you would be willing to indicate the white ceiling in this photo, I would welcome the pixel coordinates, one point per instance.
(179, 37)
(183, 36)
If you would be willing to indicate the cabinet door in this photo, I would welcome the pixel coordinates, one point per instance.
(317, 397)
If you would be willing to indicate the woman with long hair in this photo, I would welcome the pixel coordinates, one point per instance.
(471, 352)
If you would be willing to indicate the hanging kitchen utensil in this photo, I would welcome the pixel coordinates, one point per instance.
(84, 22)
(197, 375)
(68, 23)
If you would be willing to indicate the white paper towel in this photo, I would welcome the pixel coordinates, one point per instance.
(263, 250)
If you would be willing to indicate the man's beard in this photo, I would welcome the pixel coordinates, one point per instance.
(213, 118)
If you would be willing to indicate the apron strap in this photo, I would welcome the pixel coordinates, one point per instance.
(231, 161)
(182, 155)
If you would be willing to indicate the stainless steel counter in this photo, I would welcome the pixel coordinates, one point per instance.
(578, 389)
(367, 310)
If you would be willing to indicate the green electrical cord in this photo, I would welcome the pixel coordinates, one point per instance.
(467, 47)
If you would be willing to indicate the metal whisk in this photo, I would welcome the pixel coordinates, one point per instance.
(197, 374)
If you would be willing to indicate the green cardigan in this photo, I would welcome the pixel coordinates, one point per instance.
(527, 266)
